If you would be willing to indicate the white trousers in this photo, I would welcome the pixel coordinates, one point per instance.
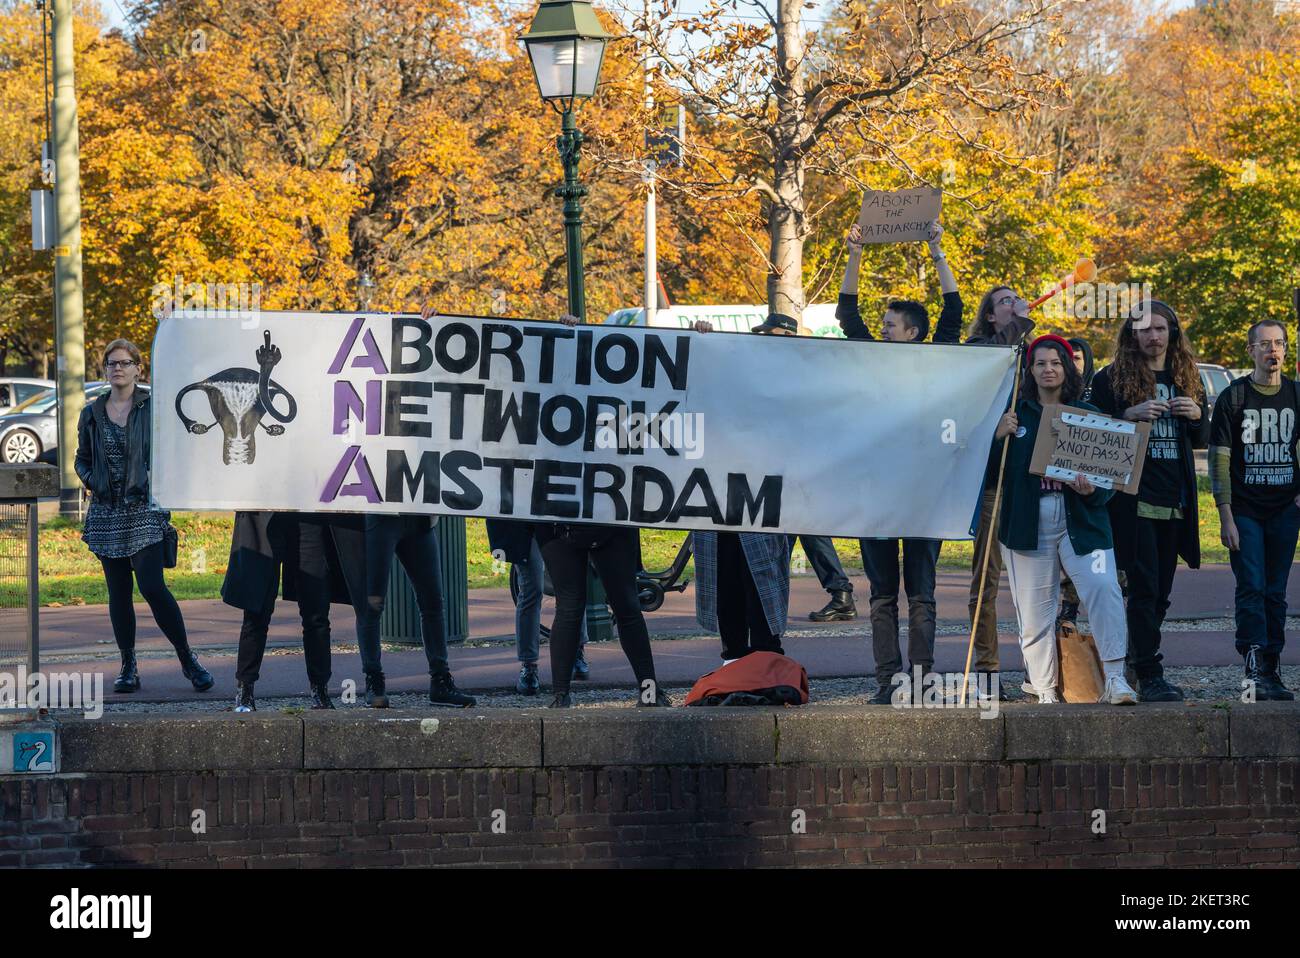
(1036, 590)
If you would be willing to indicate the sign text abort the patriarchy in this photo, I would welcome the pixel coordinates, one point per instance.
(474, 416)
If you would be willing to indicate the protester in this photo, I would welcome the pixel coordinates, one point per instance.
(1256, 486)
(1154, 379)
(1069, 595)
(742, 579)
(1001, 320)
(1083, 362)
(127, 535)
(517, 542)
(615, 552)
(414, 541)
(1046, 523)
(321, 559)
(821, 554)
(903, 321)
(513, 541)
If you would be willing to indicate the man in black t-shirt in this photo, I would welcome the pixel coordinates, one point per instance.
(1154, 379)
(1253, 470)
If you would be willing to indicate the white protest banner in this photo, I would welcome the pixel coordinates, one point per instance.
(650, 427)
(902, 216)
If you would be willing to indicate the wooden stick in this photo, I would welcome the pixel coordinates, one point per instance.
(992, 532)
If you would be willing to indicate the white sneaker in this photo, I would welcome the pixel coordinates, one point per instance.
(1049, 697)
(1118, 692)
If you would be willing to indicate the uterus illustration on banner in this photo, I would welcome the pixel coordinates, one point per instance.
(545, 422)
(239, 398)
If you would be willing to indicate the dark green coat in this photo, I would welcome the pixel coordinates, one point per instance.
(1086, 519)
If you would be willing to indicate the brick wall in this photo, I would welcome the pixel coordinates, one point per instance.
(1235, 812)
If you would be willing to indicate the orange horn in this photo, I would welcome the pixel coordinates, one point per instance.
(1084, 271)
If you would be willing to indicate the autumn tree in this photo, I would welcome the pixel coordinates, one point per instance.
(843, 102)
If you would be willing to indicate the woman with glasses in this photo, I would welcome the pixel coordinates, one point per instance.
(121, 528)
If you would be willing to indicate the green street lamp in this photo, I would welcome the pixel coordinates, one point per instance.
(566, 45)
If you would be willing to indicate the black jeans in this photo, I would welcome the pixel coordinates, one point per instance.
(414, 540)
(1262, 567)
(880, 558)
(741, 621)
(313, 582)
(147, 567)
(1150, 575)
(821, 554)
(614, 552)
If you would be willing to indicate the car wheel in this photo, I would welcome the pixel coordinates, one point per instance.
(20, 446)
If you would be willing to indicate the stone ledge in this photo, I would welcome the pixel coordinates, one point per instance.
(36, 481)
(1106, 732)
(681, 736)
(1265, 730)
(532, 738)
(452, 738)
(853, 736)
(149, 743)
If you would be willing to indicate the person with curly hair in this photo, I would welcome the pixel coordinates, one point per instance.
(1154, 379)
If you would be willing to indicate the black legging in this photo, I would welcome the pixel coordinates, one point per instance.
(742, 621)
(615, 559)
(147, 564)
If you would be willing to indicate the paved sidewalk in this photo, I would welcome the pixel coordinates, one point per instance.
(79, 638)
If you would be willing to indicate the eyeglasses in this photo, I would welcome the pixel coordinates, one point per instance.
(1270, 344)
(119, 363)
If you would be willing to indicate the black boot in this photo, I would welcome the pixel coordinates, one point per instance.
(1273, 667)
(884, 694)
(375, 697)
(529, 683)
(128, 680)
(443, 691)
(839, 608)
(1267, 689)
(581, 670)
(562, 700)
(1158, 690)
(199, 677)
(244, 698)
(661, 699)
(320, 697)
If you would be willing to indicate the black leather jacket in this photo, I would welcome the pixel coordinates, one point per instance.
(92, 463)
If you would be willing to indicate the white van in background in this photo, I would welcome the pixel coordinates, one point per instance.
(818, 320)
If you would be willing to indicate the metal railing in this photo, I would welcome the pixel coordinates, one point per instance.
(20, 488)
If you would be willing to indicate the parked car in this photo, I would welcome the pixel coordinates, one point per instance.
(16, 390)
(30, 433)
(1215, 379)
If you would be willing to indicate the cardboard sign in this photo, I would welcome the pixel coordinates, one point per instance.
(1073, 441)
(903, 216)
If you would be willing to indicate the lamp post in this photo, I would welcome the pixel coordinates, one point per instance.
(365, 289)
(566, 46)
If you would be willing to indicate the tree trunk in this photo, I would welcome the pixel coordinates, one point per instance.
(786, 219)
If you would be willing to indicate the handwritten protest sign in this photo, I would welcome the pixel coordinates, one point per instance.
(899, 217)
(1110, 452)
